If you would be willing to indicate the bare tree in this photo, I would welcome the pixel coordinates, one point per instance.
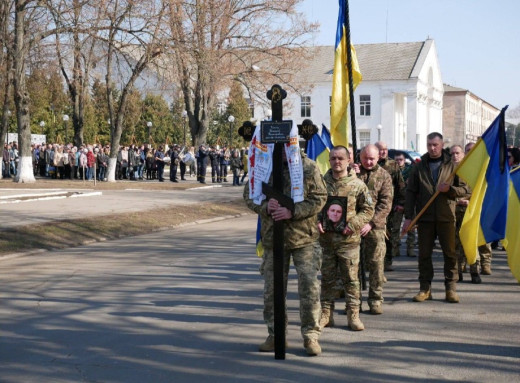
(82, 18)
(257, 42)
(134, 39)
(5, 70)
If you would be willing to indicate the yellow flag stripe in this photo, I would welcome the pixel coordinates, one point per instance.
(471, 235)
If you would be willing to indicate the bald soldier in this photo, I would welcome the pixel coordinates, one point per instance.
(380, 186)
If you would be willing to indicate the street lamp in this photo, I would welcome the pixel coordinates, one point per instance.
(65, 121)
(379, 128)
(149, 125)
(184, 118)
(231, 119)
(42, 125)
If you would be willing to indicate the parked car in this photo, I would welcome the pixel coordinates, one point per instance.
(410, 156)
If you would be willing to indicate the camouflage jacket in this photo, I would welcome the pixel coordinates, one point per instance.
(397, 180)
(301, 230)
(379, 184)
(360, 207)
(405, 171)
(420, 188)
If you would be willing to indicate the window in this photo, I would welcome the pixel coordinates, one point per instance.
(221, 107)
(364, 138)
(251, 107)
(306, 106)
(364, 105)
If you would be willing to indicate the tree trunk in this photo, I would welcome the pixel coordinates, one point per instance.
(21, 98)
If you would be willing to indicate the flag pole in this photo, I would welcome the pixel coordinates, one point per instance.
(350, 82)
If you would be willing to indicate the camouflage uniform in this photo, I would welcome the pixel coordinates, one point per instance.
(393, 226)
(410, 236)
(379, 184)
(300, 234)
(341, 251)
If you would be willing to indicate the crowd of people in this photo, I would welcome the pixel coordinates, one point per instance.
(353, 216)
(134, 162)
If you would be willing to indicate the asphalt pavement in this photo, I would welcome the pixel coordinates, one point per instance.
(185, 305)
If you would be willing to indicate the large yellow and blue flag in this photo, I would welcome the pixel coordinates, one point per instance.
(340, 82)
(318, 151)
(486, 170)
(512, 239)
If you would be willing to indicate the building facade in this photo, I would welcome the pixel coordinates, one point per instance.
(465, 116)
(399, 100)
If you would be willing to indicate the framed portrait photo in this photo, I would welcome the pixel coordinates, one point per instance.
(334, 214)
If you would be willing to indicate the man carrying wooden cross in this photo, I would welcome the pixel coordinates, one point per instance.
(301, 235)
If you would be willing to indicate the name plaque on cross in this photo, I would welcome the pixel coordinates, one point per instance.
(275, 132)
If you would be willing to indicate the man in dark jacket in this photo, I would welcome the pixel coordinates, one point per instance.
(202, 163)
(434, 173)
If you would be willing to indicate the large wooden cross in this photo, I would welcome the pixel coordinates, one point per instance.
(277, 131)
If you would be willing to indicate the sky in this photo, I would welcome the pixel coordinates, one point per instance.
(477, 41)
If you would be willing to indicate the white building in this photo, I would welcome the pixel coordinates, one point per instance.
(401, 93)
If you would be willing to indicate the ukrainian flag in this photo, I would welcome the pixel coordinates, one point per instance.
(340, 81)
(319, 152)
(259, 246)
(512, 239)
(486, 171)
(325, 136)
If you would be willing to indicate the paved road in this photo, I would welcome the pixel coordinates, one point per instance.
(106, 202)
(186, 306)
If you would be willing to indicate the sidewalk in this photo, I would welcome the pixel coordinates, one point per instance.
(79, 200)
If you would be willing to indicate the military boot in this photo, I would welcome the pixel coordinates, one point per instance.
(424, 295)
(485, 270)
(213, 180)
(451, 296)
(312, 347)
(475, 278)
(327, 318)
(376, 308)
(268, 344)
(353, 320)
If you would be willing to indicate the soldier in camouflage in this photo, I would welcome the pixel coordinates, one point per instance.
(341, 250)
(379, 184)
(301, 235)
(393, 225)
(410, 237)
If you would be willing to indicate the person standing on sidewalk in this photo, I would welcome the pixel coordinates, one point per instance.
(301, 235)
(341, 250)
(434, 173)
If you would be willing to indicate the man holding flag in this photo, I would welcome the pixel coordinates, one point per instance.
(433, 176)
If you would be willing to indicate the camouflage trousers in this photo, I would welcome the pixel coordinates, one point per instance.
(374, 249)
(341, 259)
(484, 251)
(393, 245)
(307, 264)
